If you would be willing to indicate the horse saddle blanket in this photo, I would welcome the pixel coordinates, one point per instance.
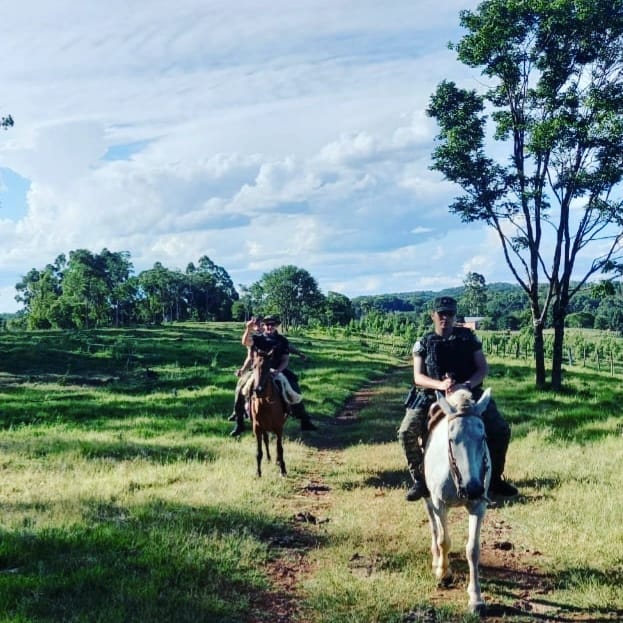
(435, 415)
(287, 392)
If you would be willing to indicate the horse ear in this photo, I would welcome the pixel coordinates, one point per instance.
(446, 407)
(483, 403)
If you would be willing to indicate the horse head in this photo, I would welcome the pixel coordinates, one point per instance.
(261, 370)
(467, 442)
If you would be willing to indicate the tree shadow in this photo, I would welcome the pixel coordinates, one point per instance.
(159, 563)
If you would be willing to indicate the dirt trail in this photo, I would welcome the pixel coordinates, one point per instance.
(516, 573)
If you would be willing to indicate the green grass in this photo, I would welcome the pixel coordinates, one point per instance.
(123, 498)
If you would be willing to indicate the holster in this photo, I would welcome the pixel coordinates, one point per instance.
(411, 396)
(415, 398)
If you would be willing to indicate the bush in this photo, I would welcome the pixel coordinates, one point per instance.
(580, 320)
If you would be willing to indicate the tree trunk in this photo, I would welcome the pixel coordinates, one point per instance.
(539, 356)
(559, 334)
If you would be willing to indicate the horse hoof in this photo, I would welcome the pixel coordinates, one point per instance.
(445, 582)
(479, 609)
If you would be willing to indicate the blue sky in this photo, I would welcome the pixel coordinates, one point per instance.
(257, 134)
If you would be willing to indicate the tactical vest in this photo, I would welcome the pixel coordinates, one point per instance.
(453, 356)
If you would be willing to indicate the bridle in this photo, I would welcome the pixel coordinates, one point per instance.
(454, 468)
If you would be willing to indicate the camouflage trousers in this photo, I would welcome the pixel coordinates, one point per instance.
(413, 433)
(239, 398)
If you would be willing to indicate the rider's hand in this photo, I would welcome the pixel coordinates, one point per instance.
(447, 385)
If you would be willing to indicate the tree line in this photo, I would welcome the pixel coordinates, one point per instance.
(87, 290)
(499, 306)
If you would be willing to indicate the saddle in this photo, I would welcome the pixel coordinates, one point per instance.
(462, 400)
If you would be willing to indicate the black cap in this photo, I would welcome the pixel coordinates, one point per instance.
(444, 304)
(271, 320)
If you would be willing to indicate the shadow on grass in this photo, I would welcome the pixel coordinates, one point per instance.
(506, 582)
(587, 399)
(158, 563)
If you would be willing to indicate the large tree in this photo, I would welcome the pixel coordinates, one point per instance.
(338, 309)
(160, 294)
(474, 294)
(290, 292)
(549, 181)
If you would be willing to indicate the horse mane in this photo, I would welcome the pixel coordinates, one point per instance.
(461, 400)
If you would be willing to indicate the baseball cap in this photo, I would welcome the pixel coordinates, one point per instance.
(444, 304)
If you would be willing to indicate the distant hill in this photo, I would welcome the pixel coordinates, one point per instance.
(419, 300)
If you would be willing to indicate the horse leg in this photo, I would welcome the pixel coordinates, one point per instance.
(265, 437)
(472, 552)
(280, 461)
(440, 541)
(258, 454)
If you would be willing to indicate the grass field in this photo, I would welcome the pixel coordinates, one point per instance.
(124, 499)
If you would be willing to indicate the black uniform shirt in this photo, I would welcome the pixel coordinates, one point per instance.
(276, 342)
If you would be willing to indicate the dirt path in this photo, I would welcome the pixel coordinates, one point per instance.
(515, 572)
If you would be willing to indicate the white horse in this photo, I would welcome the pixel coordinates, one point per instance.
(457, 467)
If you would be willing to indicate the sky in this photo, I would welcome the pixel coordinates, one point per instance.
(258, 134)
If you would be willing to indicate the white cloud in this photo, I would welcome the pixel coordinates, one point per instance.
(256, 134)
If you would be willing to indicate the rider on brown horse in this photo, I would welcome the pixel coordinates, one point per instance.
(271, 340)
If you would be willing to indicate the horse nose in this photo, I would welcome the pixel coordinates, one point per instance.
(474, 490)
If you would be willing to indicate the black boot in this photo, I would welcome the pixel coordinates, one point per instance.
(300, 413)
(239, 407)
(499, 486)
(307, 424)
(239, 429)
(417, 491)
(502, 488)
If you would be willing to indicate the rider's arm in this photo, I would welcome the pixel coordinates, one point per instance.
(283, 363)
(297, 351)
(482, 369)
(421, 379)
(247, 339)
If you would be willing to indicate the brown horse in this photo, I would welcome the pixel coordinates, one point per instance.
(268, 413)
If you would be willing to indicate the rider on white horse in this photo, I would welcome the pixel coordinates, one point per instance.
(447, 359)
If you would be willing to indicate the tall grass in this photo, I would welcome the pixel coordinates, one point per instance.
(123, 498)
